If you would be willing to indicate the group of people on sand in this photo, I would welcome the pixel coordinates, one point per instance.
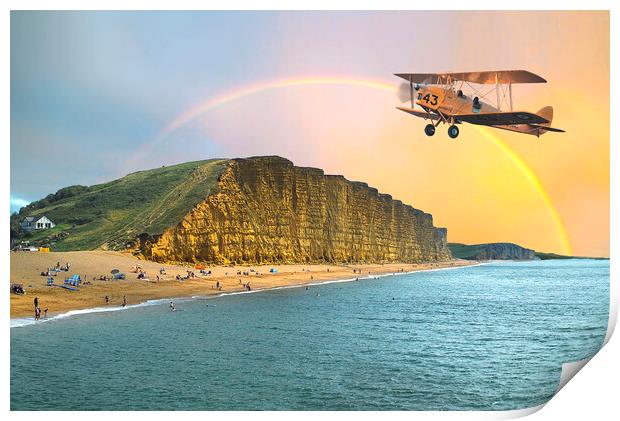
(53, 271)
(246, 287)
(65, 267)
(190, 275)
(247, 272)
(107, 300)
(17, 289)
(37, 309)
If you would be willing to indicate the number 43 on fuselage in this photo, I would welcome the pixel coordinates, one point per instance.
(465, 97)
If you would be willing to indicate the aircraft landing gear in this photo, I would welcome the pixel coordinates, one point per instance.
(429, 130)
(453, 131)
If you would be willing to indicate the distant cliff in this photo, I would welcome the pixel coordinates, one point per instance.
(491, 251)
(268, 210)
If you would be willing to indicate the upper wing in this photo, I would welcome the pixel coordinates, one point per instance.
(502, 118)
(419, 113)
(488, 77)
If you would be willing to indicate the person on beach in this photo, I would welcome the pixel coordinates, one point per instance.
(36, 302)
(124, 301)
(45, 313)
(107, 299)
(37, 313)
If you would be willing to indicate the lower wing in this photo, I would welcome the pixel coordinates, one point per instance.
(501, 118)
(420, 114)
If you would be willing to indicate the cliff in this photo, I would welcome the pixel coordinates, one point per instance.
(265, 209)
(492, 251)
(255, 210)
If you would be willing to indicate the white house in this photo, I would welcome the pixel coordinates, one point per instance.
(31, 223)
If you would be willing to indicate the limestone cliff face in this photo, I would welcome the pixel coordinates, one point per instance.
(504, 251)
(491, 251)
(267, 210)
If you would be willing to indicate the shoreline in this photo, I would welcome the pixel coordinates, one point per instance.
(89, 299)
(28, 321)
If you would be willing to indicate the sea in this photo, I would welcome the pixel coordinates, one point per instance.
(486, 337)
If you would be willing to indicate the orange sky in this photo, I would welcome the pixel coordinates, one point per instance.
(468, 185)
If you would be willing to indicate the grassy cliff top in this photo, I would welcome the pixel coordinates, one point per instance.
(113, 213)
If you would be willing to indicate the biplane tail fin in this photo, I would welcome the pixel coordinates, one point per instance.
(547, 114)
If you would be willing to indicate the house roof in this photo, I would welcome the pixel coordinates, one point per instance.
(35, 218)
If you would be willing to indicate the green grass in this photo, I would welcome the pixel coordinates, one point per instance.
(144, 202)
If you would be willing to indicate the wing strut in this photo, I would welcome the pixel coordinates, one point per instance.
(499, 107)
(411, 90)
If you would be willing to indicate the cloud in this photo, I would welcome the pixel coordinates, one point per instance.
(17, 203)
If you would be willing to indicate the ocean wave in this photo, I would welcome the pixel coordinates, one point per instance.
(29, 321)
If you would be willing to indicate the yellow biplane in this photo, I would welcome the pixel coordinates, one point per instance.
(465, 97)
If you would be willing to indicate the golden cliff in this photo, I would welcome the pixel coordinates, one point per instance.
(266, 210)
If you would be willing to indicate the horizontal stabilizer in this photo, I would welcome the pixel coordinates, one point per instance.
(549, 129)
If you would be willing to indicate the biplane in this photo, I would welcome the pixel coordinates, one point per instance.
(466, 97)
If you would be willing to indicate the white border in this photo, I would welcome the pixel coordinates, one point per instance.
(590, 395)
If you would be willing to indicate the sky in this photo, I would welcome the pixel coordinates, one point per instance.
(96, 95)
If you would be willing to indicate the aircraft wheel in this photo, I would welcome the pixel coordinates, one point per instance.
(453, 131)
(429, 130)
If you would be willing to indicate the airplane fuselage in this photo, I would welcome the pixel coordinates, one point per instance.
(448, 102)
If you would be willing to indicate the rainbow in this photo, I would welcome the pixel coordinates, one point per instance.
(535, 182)
(211, 103)
(201, 108)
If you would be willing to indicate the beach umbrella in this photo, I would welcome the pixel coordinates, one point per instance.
(114, 271)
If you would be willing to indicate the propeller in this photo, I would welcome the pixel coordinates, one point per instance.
(406, 92)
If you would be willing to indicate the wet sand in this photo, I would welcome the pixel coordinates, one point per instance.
(26, 268)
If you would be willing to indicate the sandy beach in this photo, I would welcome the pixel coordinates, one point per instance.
(26, 268)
